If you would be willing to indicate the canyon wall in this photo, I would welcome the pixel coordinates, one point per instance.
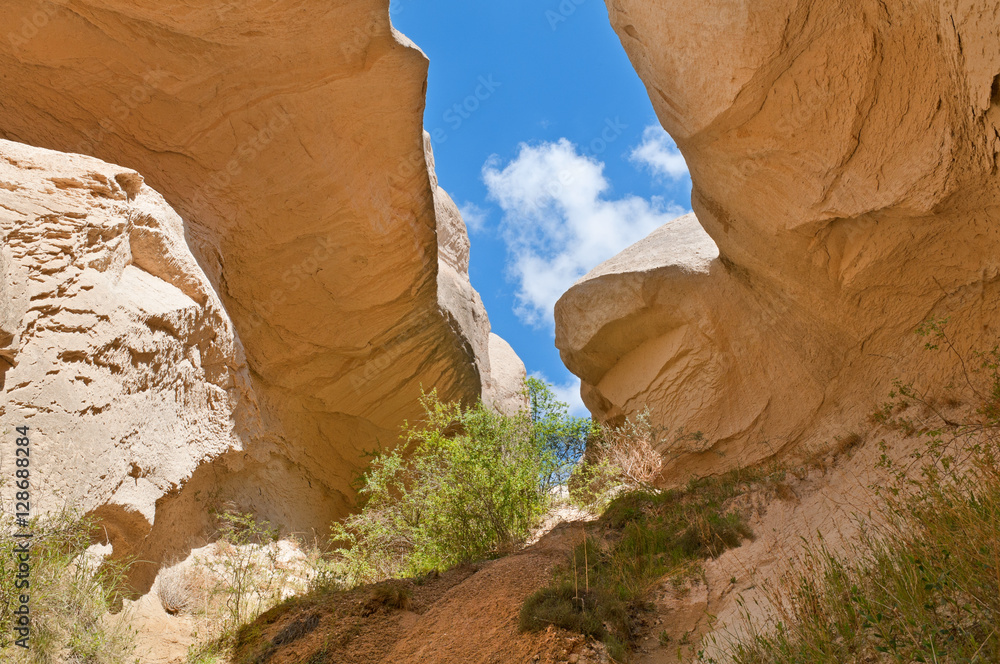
(332, 270)
(120, 359)
(843, 156)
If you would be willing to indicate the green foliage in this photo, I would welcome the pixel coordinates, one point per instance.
(593, 484)
(561, 438)
(647, 535)
(71, 595)
(467, 484)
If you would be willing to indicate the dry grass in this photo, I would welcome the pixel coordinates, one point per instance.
(923, 587)
(179, 589)
(631, 449)
(393, 595)
(72, 591)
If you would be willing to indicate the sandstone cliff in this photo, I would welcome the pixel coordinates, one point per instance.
(314, 302)
(843, 156)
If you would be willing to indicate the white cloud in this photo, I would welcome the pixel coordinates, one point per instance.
(568, 393)
(557, 223)
(660, 154)
(474, 216)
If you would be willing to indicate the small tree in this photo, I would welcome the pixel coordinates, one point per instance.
(562, 439)
(467, 484)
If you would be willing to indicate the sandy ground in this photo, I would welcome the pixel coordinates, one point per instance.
(469, 615)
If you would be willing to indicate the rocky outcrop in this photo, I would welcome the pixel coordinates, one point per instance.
(121, 361)
(289, 141)
(844, 162)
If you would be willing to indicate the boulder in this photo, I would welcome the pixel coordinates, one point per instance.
(122, 362)
(843, 157)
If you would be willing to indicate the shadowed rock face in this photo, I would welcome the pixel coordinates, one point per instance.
(844, 162)
(288, 137)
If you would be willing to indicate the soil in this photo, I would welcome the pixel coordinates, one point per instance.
(467, 615)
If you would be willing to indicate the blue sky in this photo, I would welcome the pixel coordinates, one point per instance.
(545, 137)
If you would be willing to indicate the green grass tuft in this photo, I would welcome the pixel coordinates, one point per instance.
(645, 536)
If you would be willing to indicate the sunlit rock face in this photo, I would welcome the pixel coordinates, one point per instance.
(844, 163)
(119, 357)
(288, 138)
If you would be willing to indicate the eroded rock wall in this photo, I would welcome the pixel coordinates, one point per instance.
(120, 361)
(843, 156)
(288, 137)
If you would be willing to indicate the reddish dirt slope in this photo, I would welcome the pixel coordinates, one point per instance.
(468, 615)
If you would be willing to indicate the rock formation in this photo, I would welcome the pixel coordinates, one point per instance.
(120, 358)
(289, 141)
(844, 163)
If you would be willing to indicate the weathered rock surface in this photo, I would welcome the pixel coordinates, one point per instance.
(844, 162)
(121, 360)
(289, 140)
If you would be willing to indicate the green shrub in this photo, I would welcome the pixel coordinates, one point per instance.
(593, 484)
(467, 484)
(562, 439)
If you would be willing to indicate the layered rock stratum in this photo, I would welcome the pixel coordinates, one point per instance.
(843, 157)
(246, 347)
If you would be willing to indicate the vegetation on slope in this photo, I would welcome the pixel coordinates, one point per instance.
(70, 594)
(467, 484)
(644, 536)
(923, 582)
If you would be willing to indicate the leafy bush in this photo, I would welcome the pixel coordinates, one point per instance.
(467, 484)
(561, 438)
(71, 595)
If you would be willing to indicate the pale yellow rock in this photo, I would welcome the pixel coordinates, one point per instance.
(843, 156)
(125, 368)
(505, 389)
(289, 140)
